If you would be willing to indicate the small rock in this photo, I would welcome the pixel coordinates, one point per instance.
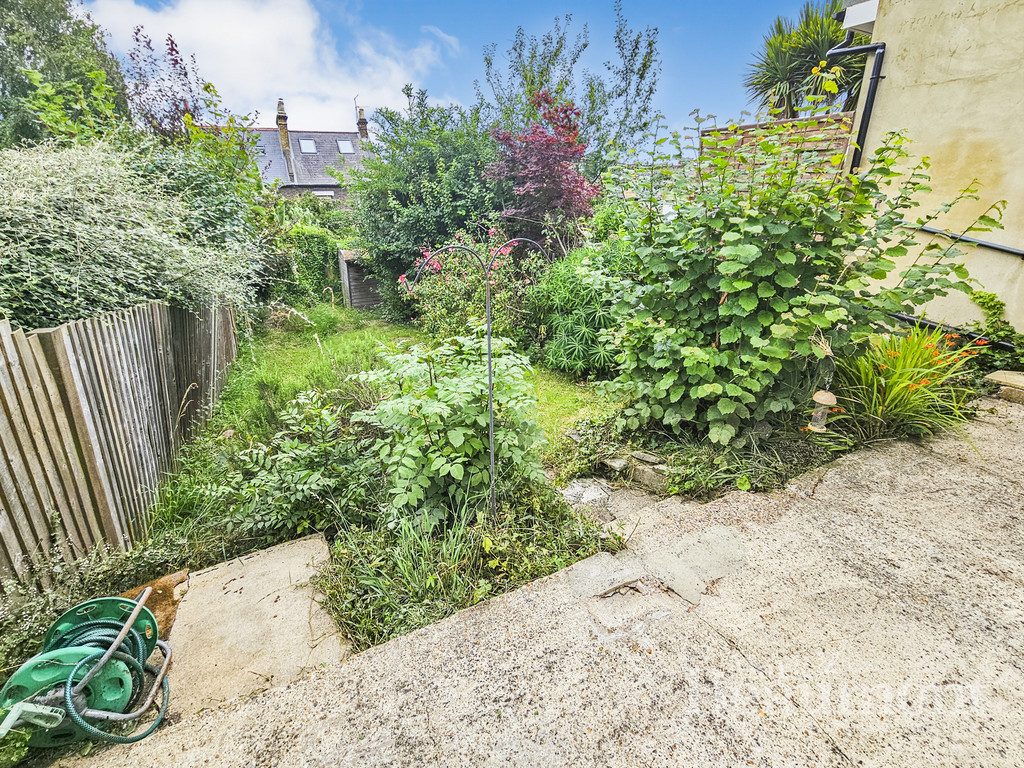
(615, 464)
(651, 478)
(587, 493)
(647, 458)
(1012, 394)
(1013, 379)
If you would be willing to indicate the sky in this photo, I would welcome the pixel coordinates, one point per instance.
(325, 56)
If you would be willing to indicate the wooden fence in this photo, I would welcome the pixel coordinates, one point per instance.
(825, 135)
(92, 414)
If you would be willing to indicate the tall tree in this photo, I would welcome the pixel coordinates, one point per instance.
(164, 87)
(783, 76)
(58, 39)
(616, 107)
(422, 184)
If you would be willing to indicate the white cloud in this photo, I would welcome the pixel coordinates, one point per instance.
(255, 51)
(450, 41)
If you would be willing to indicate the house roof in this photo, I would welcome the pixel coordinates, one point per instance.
(309, 167)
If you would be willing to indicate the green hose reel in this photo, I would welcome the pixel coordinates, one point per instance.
(103, 609)
(91, 673)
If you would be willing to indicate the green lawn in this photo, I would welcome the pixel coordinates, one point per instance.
(324, 346)
(315, 350)
(562, 401)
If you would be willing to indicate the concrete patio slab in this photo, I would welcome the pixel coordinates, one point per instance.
(870, 614)
(250, 624)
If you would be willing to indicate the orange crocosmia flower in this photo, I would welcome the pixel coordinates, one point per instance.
(981, 342)
(925, 382)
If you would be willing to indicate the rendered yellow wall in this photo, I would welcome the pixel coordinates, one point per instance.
(954, 80)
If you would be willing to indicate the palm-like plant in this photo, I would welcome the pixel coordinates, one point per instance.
(784, 75)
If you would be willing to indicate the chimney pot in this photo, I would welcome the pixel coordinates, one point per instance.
(361, 123)
(282, 133)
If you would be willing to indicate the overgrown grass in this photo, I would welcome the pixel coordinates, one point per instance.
(312, 349)
(384, 582)
(299, 351)
(389, 575)
(562, 401)
(188, 527)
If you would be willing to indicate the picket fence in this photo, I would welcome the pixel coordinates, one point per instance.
(92, 414)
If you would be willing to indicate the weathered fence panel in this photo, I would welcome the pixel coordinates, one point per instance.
(92, 414)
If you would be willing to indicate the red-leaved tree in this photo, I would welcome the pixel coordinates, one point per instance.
(163, 87)
(542, 165)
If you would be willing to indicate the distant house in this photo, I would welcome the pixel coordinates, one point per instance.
(297, 160)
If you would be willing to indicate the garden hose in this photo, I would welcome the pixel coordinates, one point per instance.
(101, 633)
(92, 730)
(105, 643)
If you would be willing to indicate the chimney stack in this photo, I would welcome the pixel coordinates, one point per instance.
(361, 123)
(282, 133)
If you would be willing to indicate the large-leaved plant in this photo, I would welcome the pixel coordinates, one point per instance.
(433, 431)
(758, 257)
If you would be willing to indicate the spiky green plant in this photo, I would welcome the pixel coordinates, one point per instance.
(783, 75)
(904, 385)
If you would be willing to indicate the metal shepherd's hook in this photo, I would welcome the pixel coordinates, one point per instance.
(487, 267)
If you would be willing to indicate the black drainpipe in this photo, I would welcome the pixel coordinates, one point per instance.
(869, 99)
(911, 320)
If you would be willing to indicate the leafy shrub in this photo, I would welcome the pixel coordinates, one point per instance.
(903, 385)
(422, 184)
(316, 257)
(434, 430)
(996, 327)
(312, 475)
(82, 233)
(754, 260)
(312, 211)
(451, 293)
(571, 306)
(609, 216)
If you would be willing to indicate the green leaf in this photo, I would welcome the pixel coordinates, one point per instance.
(748, 302)
(785, 279)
